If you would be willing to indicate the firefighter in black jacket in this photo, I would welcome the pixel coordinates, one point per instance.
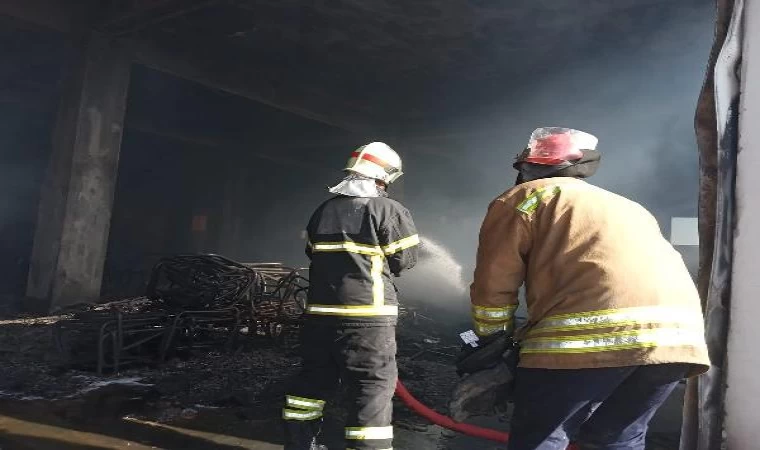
(358, 240)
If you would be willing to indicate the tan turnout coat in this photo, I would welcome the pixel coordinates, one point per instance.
(604, 288)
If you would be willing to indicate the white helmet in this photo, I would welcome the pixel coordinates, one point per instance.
(376, 160)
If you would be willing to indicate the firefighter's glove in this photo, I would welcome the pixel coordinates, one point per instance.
(487, 354)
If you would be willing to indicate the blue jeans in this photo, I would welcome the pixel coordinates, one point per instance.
(606, 408)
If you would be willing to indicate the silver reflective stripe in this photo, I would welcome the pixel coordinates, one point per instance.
(350, 310)
(304, 403)
(621, 317)
(401, 244)
(291, 414)
(619, 340)
(362, 433)
(490, 312)
(484, 328)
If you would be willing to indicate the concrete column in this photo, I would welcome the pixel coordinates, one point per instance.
(743, 392)
(74, 216)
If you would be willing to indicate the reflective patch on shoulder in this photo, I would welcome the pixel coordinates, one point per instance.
(528, 205)
(531, 202)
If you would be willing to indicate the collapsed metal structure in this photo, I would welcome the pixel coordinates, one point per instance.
(192, 302)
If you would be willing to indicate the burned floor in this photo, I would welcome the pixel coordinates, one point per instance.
(232, 393)
(201, 371)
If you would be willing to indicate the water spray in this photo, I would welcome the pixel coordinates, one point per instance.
(437, 279)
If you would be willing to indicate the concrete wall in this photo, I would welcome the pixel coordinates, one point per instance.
(744, 335)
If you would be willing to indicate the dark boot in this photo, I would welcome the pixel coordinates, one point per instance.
(302, 435)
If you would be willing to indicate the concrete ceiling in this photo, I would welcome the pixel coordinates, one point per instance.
(386, 56)
(380, 61)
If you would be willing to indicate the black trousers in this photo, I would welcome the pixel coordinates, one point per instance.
(362, 359)
(606, 409)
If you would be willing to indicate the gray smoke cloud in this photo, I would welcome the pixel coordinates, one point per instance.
(638, 101)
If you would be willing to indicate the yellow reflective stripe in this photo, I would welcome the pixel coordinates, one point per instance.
(401, 244)
(377, 265)
(378, 286)
(304, 403)
(292, 414)
(347, 246)
(362, 433)
(353, 310)
(366, 249)
(532, 201)
(486, 328)
(491, 312)
(618, 340)
(675, 316)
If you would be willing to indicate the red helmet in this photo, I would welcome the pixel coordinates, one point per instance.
(553, 146)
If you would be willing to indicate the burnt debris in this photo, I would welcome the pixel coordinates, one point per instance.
(192, 302)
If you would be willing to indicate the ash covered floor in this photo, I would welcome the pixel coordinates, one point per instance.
(215, 400)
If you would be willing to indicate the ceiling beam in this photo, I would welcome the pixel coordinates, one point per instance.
(214, 64)
(50, 14)
(131, 21)
(220, 145)
(206, 63)
(43, 101)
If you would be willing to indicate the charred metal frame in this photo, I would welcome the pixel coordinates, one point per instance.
(269, 299)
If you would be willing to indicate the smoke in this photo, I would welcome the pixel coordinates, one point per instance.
(437, 281)
(639, 100)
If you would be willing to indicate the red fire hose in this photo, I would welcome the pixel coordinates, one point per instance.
(447, 422)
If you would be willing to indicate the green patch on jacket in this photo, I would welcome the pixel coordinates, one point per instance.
(531, 202)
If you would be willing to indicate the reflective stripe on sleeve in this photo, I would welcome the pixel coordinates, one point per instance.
(352, 310)
(657, 315)
(304, 403)
(488, 328)
(363, 433)
(401, 244)
(492, 312)
(293, 414)
(618, 340)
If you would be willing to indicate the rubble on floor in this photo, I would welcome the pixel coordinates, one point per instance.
(230, 390)
(246, 383)
(227, 390)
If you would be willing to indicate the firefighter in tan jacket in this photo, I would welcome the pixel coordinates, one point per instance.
(614, 318)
